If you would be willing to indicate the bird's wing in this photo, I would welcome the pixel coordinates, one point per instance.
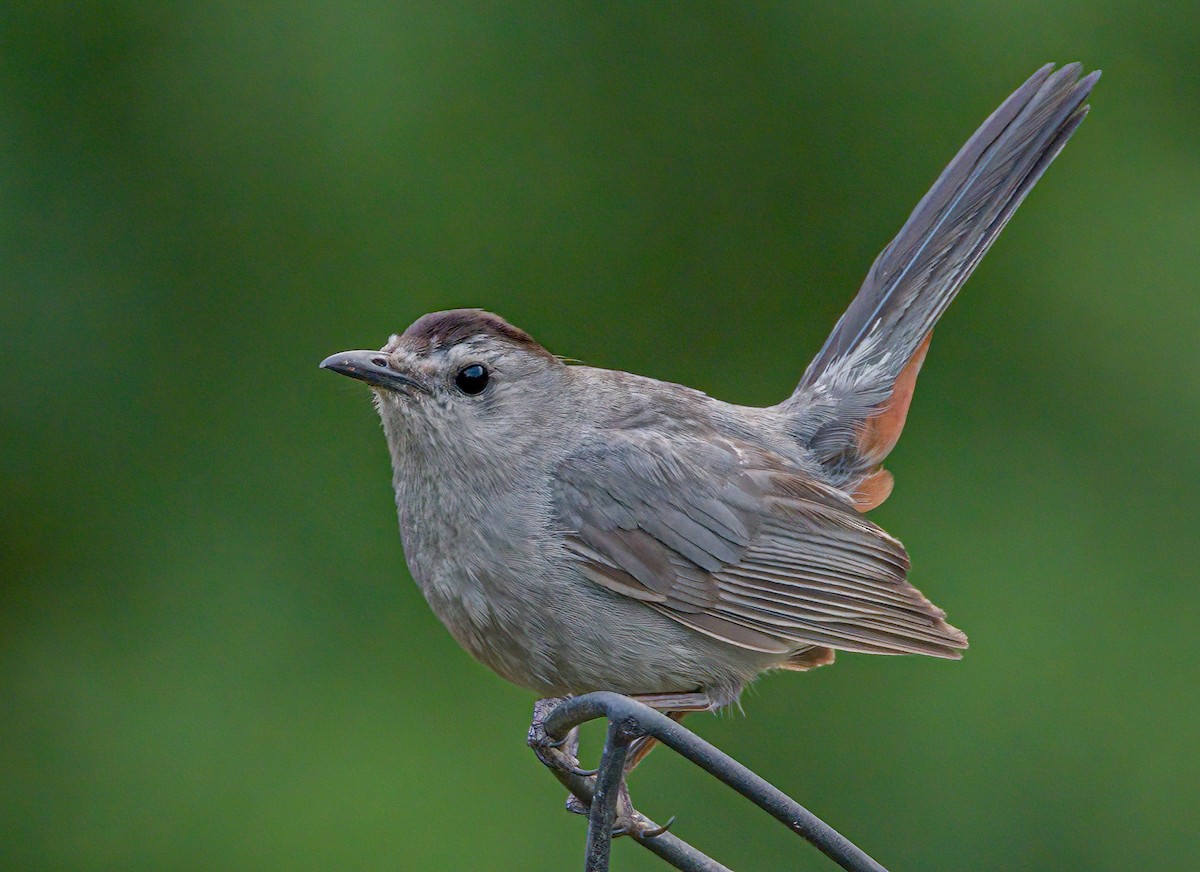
(851, 403)
(736, 543)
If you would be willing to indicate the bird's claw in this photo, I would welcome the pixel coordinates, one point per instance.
(637, 824)
(659, 830)
(628, 822)
(631, 822)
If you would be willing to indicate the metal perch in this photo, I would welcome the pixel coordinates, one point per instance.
(551, 734)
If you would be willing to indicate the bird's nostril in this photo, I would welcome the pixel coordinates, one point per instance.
(379, 361)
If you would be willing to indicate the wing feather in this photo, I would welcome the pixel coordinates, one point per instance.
(735, 542)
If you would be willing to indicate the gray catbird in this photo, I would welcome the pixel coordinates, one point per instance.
(582, 529)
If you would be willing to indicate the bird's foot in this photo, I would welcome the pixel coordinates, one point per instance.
(562, 755)
(628, 821)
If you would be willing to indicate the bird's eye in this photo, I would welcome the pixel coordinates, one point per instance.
(472, 379)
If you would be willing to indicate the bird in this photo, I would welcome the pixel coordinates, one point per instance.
(579, 529)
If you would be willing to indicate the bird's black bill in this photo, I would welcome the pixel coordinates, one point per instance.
(372, 368)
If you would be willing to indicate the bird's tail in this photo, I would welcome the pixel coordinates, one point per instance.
(850, 405)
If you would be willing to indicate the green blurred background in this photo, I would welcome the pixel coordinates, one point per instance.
(211, 654)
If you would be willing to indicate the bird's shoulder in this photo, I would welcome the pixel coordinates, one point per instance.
(642, 409)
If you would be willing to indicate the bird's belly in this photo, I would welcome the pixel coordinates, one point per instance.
(557, 633)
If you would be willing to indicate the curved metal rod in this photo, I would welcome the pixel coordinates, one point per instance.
(634, 719)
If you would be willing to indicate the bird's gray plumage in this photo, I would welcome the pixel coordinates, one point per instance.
(580, 529)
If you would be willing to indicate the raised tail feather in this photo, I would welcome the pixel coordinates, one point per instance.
(851, 403)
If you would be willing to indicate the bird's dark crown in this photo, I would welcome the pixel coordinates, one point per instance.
(446, 329)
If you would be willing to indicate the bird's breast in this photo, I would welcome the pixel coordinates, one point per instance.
(488, 569)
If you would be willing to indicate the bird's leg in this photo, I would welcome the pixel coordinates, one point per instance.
(644, 745)
(674, 706)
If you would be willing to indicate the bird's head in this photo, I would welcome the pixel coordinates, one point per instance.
(461, 383)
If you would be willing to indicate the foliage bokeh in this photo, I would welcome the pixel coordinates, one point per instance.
(211, 654)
